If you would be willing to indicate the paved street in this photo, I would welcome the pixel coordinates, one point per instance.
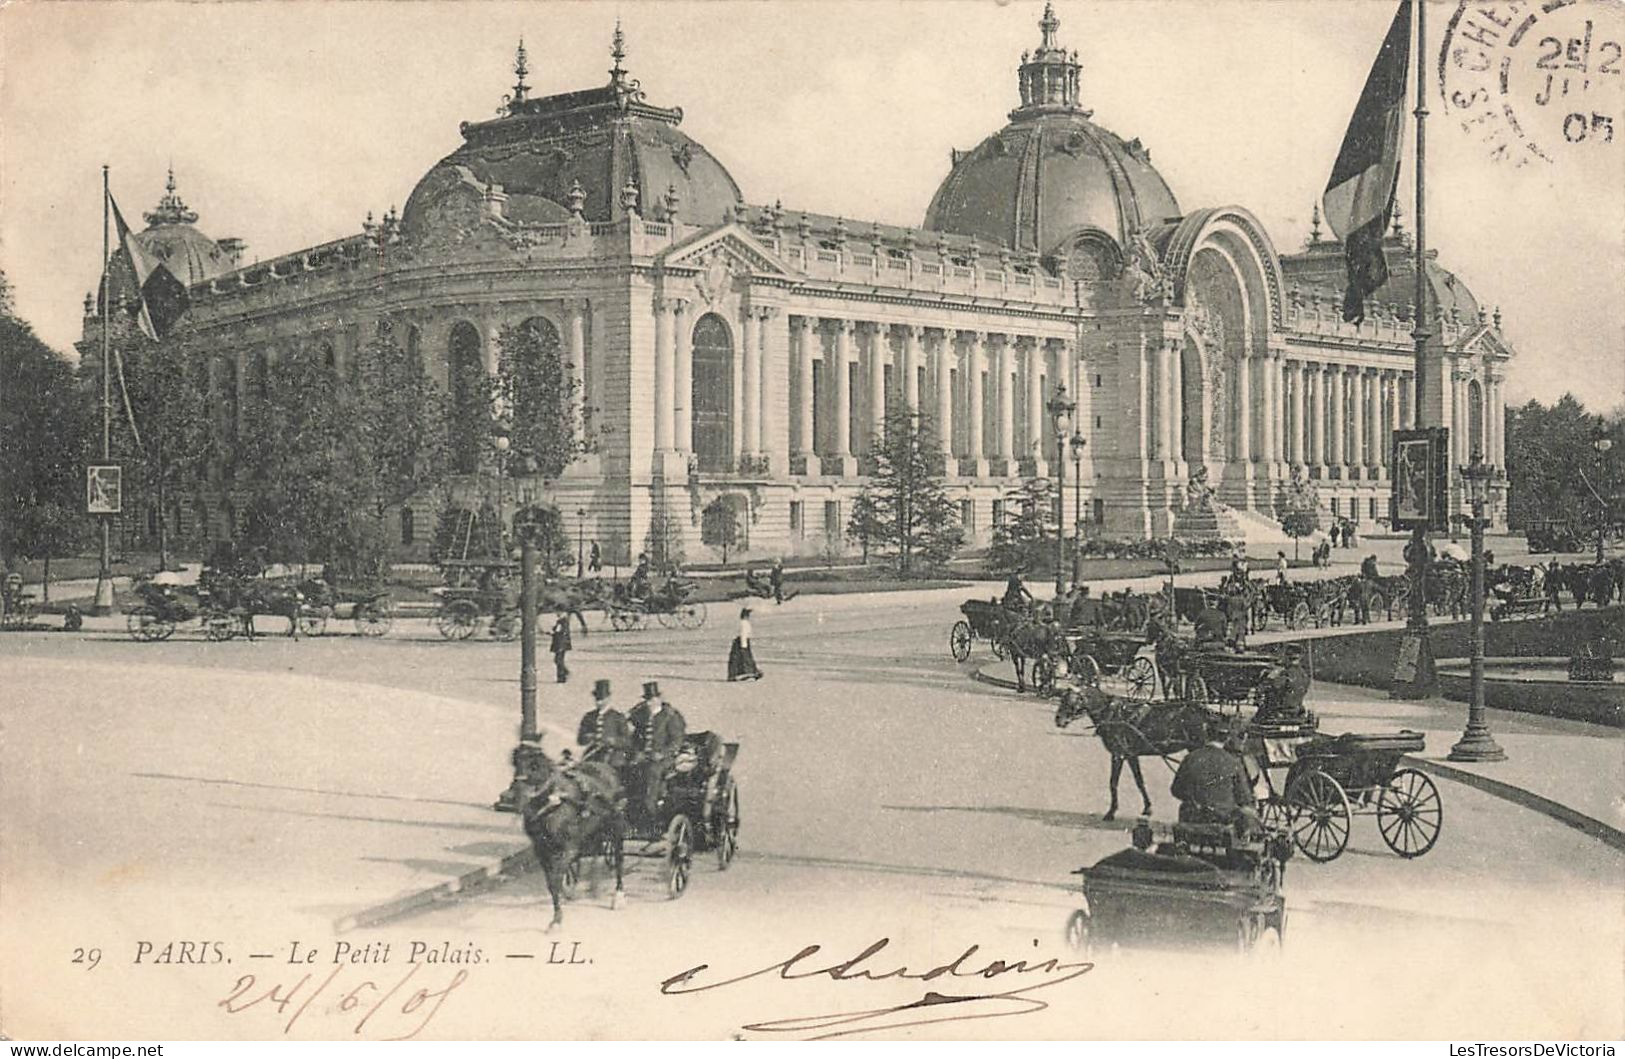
(256, 793)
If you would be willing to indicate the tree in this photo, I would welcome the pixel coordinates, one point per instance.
(867, 523)
(1550, 460)
(719, 526)
(664, 543)
(1023, 541)
(1298, 509)
(164, 437)
(537, 400)
(46, 426)
(905, 507)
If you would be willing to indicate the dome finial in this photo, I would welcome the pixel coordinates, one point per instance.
(521, 91)
(171, 210)
(1399, 214)
(617, 51)
(1314, 225)
(1049, 24)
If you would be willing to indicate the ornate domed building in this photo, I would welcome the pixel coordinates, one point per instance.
(746, 355)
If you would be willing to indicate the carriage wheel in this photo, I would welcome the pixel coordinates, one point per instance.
(1320, 816)
(1301, 615)
(374, 619)
(999, 648)
(312, 622)
(959, 640)
(1196, 688)
(505, 627)
(1142, 679)
(147, 624)
(218, 626)
(1374, 603)
(691, 615)
(1077, 931)
(623, 620)
(725, 825)
(1086, 670)
(1044, 675)
(667, 619)
(1275, 814)
(1410, 813)
(457, 620)
(679, 855)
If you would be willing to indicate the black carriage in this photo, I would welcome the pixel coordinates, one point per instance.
(1203, 886)
(670, 605)
(1552, 535)
(370, 607)
(1331, 779)
(165, 607)
(17, 607)
(984, 619)
(474, 591)
(1129, 657)
(1222, 678)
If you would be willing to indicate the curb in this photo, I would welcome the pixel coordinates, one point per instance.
(1563, 814)
(514, 864)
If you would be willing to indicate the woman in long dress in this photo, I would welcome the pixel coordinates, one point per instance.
(741, 662)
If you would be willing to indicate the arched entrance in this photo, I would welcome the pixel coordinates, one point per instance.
(712, 397)
(539, 397)
(467, 425)
(1475, 421)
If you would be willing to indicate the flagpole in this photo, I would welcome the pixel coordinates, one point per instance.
(104, 570)
(1415, 677)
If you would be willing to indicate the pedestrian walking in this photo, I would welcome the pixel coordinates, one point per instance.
(741, 661)
(595, 559)
(1280, 567)
(561, 646)
(775, 578)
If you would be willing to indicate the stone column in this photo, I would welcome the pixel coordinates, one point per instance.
(1084, 420)
(751, 395)
(879, 345)
(1335, 440)
(1296, 377)
(1267, 405)
(945, 393)
(575, 356)
(1373, 454)
(1315, 417)
(1357, 405)
(664, 369)
(683, 377)
(1035, 405)
(976, 401)
(1163, 437)
(843, 388)
(1244, 408)
(803, 443)
(1396, 410)
(912, 334)
(1006, 438)
(1495, 417)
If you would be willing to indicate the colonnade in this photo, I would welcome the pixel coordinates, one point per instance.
(1339, 419)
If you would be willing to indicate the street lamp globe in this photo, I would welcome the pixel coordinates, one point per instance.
(1602, 442)
(1477, 475)
(1078, 444)
(501, 443)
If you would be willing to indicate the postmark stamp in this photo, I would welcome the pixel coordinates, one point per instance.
(1538, 81)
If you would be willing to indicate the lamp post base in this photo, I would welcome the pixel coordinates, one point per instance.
(103, 604)
(508, 800)
(1477, 745)
(1414, 674)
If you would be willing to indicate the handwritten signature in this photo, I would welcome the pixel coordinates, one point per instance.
(932, 1006)
(366, 999)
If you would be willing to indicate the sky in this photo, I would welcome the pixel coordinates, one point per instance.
(286, 123)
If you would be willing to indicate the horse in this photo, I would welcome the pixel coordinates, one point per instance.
(568, 812)
(570, 598)
(1039, 641)
(1130, 729)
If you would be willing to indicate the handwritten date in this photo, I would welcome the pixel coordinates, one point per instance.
(383, 1008)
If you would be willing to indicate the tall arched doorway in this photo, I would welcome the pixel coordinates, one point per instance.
(539, 390)
(713, 393)
(468, 423)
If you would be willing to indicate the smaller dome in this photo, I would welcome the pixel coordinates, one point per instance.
(171, 240)
(1321, 268)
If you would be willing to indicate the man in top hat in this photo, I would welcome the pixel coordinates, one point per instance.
(603, 731)
(1283, 689)
(657, 734)
(560, 645)
(1212, 785)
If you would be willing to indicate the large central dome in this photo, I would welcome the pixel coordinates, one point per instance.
(1052, 181)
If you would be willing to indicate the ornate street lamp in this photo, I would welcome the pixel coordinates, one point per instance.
(1601, 443)
(1077, 445)
(1476, 742)
(528, 532)
(501, 444)
(1060, 412)
(581, 542)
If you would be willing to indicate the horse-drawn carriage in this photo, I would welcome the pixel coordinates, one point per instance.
(582, 810)
(1222, 679)
(1331, 779)
(1127, 656)
(984, 619)
(224, 604)
(371, 607)
(17, 607)
(670, 604)
(1203, 885)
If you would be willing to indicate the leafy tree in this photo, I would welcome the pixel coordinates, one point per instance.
(46, 427)
(664, 543)
(1298, 509)
(164, 437)
(1550, 461)
(1024, 540)
(867, 523)
(905, 508)
(537, 400)
(719, 526)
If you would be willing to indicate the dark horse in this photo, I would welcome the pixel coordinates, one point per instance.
(1040, 641)
(571, 812)
(1131, 729)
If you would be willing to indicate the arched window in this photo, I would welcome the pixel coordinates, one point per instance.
(259, 376)
(330, 360)
(1475, 421)
(712, 395)
(408, 526)
(414, 350)
(470, 416)
(539, 390)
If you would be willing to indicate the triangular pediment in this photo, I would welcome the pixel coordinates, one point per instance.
(1485, 340)
(730, 244)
